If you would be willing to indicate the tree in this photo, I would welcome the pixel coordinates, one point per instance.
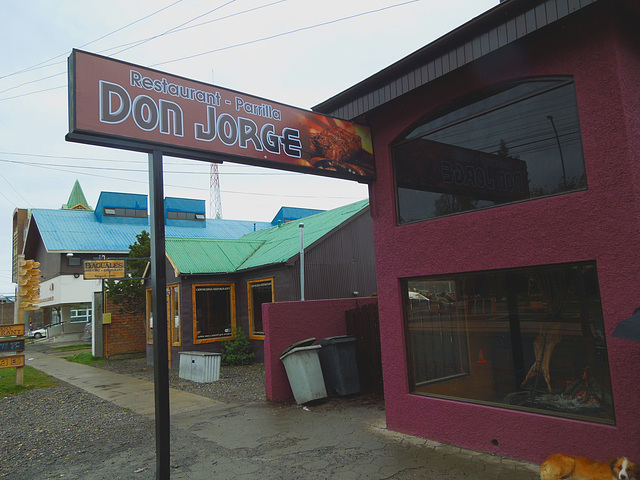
(129, 293)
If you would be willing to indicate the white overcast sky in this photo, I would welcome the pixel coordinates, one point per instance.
(295, 52)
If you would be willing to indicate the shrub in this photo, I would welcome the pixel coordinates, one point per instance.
(237, 351)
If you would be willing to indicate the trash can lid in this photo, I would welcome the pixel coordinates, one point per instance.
(337, 339)
(301, 343)
(304, 348)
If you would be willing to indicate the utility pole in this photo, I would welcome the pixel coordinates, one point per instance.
(564, 174)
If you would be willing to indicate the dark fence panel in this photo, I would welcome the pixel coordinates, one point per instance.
(363, 324)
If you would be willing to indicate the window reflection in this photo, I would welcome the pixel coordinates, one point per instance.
(517, 142)
(530, 338)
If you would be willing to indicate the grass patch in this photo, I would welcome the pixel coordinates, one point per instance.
(85, 358)
(73, 347)
(32, 379)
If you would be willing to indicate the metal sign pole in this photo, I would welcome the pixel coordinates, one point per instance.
(301, 261)
(159, 309)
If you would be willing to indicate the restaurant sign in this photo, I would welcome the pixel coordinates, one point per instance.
(96, 269)
(12, 330)
(121, 105)
(12, 361)
(11, 340)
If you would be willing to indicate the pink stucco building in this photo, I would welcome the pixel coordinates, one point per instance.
(506, 214)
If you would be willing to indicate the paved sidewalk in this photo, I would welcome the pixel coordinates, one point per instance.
(212, 439)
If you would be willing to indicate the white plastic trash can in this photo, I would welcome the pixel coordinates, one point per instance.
(200, 367)
(305, 373)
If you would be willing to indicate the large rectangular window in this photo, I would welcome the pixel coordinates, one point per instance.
(213, 312)
(510, 143)
(81, 313)
(259, 292)
(529, 338)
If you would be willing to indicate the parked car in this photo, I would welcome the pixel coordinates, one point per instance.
(37, 333)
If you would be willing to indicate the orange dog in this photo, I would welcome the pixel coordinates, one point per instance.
(570, 467)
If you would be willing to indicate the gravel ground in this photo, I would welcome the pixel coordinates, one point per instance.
(65, 432)
(238, 385)
(243, 384)
(62, 431)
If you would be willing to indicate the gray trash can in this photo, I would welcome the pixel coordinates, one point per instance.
(339, 365)
(304, 371)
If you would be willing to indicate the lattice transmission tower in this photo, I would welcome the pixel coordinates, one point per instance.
(215, 202)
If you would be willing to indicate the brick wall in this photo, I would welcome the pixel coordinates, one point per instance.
(126, 332)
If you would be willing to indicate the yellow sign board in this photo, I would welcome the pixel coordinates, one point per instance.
(12, 361)
(95, 269)
(15, 330)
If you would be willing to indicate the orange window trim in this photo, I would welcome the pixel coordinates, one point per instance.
(250, 283)
(221, 338)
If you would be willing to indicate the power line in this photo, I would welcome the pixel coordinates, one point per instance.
(187, 187)
(237, 45)
(178, 29)
(42, 64)
(174, 28)
(129, 44)
(32, 81)
(282, 34)
(90, 167)
(11, 186)
(33, 93)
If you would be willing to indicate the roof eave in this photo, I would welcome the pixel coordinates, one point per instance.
(459, 47)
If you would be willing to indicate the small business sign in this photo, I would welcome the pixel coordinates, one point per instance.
(121, 105)
(14, 330)
(12, 361)
(11, 345)
(96, 269)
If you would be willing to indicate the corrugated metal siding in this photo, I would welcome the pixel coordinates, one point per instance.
(343, 263)
(282, 243)
(465, 52)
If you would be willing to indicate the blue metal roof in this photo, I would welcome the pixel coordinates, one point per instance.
(288, 214)
(81, 231)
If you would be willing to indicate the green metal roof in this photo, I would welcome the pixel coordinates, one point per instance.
(264, 247)
(203, 255)
(77, 200)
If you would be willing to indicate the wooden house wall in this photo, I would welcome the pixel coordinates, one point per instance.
(338, 265)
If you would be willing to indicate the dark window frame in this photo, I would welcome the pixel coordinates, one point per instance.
(231, 306)
(189, 216)
(251, 284)
(124, 212)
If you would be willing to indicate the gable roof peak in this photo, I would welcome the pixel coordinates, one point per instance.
(77, 200)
